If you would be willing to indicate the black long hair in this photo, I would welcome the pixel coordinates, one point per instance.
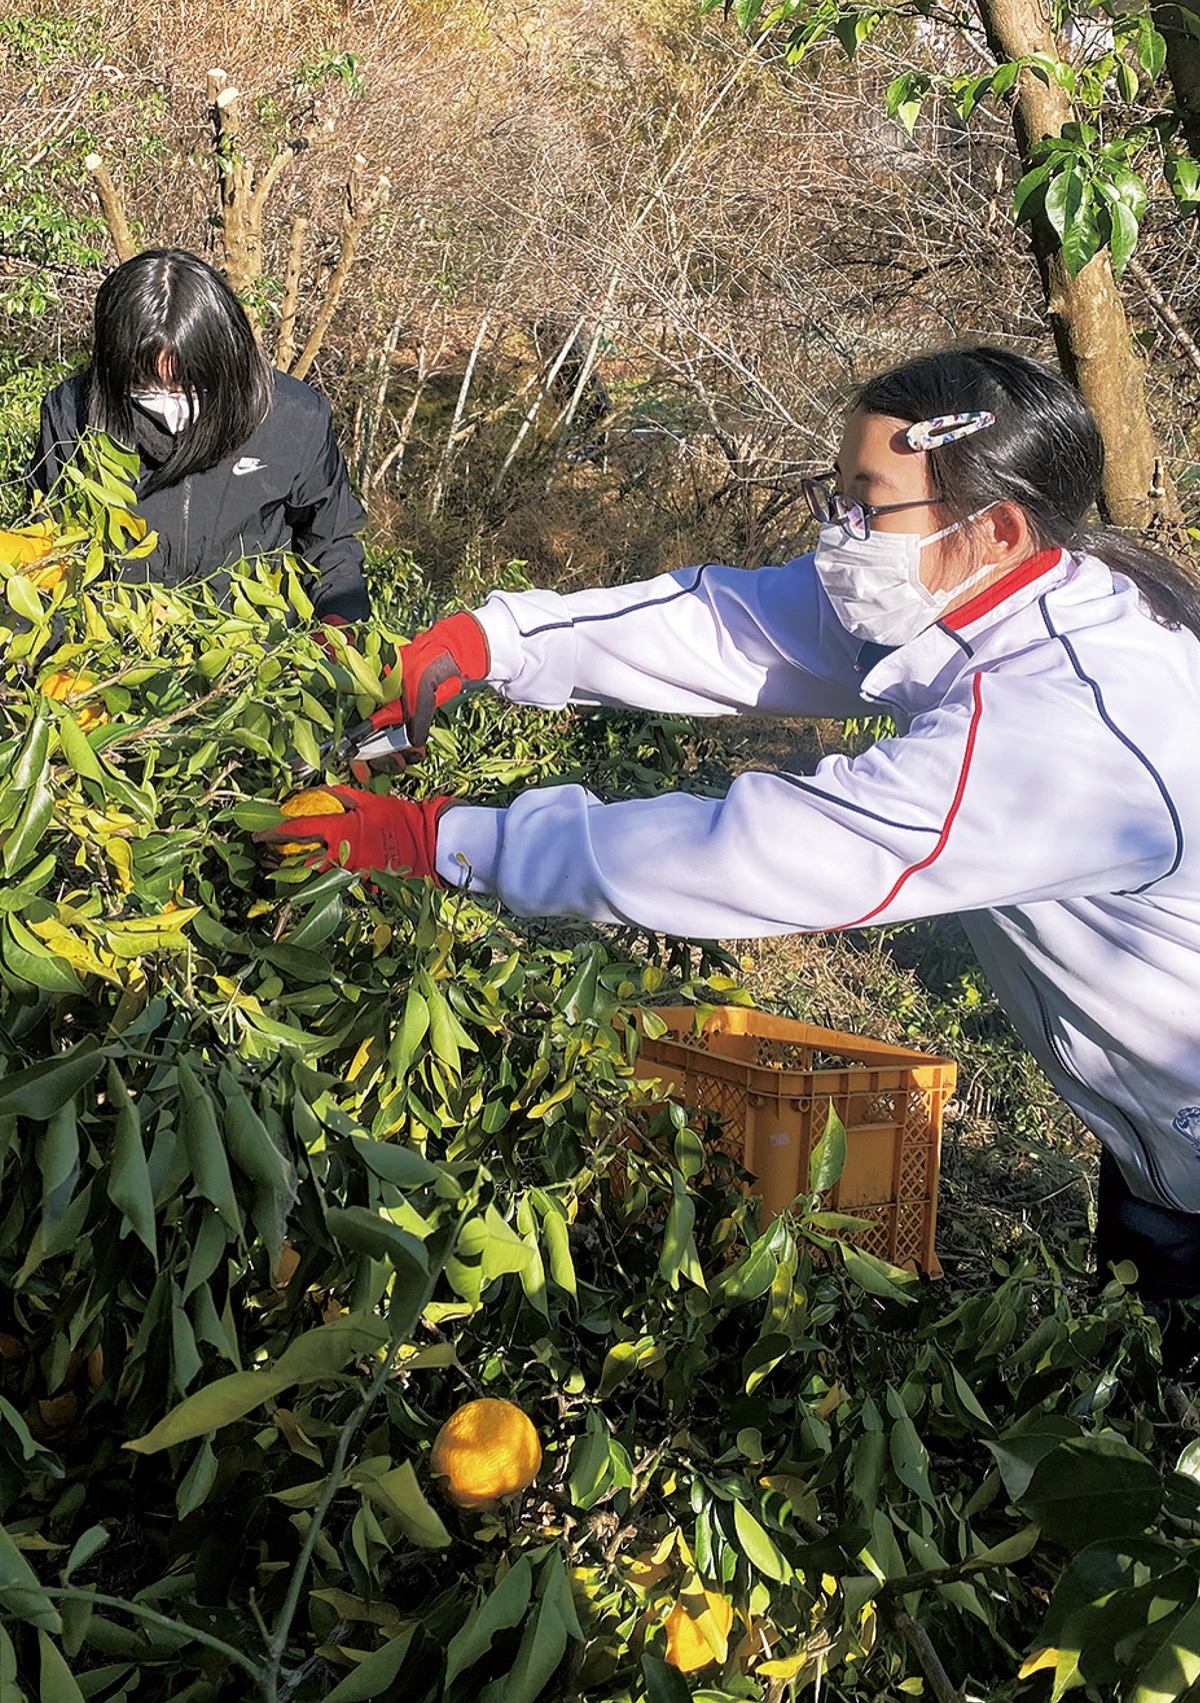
(166, 313)
(1044, 453)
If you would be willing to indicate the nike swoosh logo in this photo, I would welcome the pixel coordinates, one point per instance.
(247, 464)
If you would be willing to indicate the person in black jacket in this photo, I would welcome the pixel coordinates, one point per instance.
(236, 459)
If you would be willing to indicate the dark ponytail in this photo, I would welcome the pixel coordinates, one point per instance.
(1044, 453)
(168, 304)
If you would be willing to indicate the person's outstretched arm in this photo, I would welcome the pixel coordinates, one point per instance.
(1004, 797)
(709, 640)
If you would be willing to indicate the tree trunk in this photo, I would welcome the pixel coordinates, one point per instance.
(1086, 313)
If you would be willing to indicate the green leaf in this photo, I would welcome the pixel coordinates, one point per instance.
(447, 1036)
(1174, 1666)
(544, 1641)
(910, 1457)
(258, 1156)
(31, 763)
(1092, 1489)
(828, 1159)
(757, 1545)
(664, 1683)
(678, 1255)
(1064, 199)
(877, 1277)
(558, 1248)
(1183, 178)
(77, 751)
(58, 1161)
(1152, 44)
(317, 1355)
(1083, 238)
(21, 1592)
(398, 1494)
(1123, 236)
(25, 837)
(1028, 196)
(502, 1609)
(197, 1482)
(751, 1276)
(128, 1174)
(1011, 1549)
(403, 1167)
(375, 1676)
(1019, 1457)
(205, 1147)
(967, 1396)
(590, 1474)
(23, 598)
(365, 678)
(500, 1249)
(413, 1029)
(689, 1152)
(43, 1089)
(57, 1681)
(369, 1232)
(257, 814)
(88, 1543)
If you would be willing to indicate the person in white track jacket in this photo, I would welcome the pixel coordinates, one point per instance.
(1046, 692)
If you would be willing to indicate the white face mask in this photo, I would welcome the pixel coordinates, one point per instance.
(174, 410)
(874, 583)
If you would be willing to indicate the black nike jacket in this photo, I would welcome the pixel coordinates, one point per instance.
(286, 488)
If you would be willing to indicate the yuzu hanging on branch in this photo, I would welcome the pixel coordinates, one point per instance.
(485, 1451)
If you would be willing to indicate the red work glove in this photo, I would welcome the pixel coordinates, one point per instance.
(395, 835)
(321, 634)
(434, 667)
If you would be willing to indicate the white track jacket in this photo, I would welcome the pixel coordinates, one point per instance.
(1043, 785)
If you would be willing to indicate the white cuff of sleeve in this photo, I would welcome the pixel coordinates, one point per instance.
(468, 847)
(503, 639)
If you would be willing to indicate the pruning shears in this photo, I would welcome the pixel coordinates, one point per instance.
(386, 748)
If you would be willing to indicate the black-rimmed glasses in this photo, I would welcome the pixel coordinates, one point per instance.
(827, 504)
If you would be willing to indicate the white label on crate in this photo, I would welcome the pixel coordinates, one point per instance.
(781, 1139)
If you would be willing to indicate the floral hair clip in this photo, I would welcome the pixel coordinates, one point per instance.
(944, 428)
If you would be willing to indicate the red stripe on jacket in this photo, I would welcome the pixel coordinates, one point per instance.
(993, 595)
(964, 770)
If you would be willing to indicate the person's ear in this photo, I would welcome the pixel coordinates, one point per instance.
(1008, 540)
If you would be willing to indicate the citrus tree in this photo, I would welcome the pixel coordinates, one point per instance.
(369, 1329)
(1101, 100)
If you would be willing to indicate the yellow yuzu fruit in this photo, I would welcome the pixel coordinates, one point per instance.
(317, 801)
(66, 687)
(687, 1647)
(63, 684)
(485, 1451)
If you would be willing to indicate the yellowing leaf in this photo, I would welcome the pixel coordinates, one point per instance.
(783, 1667)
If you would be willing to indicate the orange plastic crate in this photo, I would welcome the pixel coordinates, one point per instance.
(769, 1081)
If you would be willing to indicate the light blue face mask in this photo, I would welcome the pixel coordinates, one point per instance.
(172, 407)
